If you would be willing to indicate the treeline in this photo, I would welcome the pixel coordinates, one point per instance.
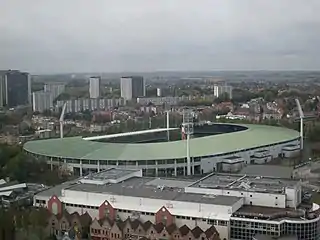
(23, 224)
(16, 165)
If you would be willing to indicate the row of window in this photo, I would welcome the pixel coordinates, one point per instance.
(131, 235)
(209, 221)
(245, 230)
(126, 163)
(255, 225)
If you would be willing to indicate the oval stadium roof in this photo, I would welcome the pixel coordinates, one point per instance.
(78, 148)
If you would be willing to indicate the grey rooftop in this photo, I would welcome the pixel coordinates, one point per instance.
(245, 182)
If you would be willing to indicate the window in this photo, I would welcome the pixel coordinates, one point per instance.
(107, 212)
(222, 223)
(250, 195)
(54, 208)
(164, 220)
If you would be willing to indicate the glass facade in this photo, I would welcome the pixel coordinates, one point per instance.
(17, 86)
(308, 230)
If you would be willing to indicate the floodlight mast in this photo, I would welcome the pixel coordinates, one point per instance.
(168, 125)
(61, 120)
(301, 116)
(187, 127)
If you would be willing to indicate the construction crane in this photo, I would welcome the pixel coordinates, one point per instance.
(61, 120)
(301, 116)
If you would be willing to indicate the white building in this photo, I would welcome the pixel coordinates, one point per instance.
(157, 101)
(169, 100)
(42, 101)
(158, 92)
(94, 87)
(221, 89)
(55, 88)
(91, 104)
(132, 87)
(238, 206)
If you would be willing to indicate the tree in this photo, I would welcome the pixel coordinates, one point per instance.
(269, 96)
(17, 168)
(52, 237)
(7, 228)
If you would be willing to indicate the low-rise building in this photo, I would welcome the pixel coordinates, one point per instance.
(135, 229)
(238, 206)
(90, 104)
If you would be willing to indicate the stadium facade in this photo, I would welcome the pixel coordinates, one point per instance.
(217, 147)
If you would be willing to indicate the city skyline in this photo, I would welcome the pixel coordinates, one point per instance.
(166, 35)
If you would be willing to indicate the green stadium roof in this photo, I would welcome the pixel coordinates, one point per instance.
(78, 148)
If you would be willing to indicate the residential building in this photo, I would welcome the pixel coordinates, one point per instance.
(79, 226)
(15, 88)
(171, 101)
(132, 87)
(220, 89)
(135, 229)
(65, 224)
(55, 89)
(158, 92)
(90, 104)
(94, 87)
(42, 101)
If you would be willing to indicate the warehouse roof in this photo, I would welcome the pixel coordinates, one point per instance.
(79, 148)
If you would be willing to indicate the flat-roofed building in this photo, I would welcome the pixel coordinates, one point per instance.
(55, 89)
(15, 88)
(132, 87)
(94, 87)
(238, 206)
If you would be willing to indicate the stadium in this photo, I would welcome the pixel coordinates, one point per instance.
(213, 147)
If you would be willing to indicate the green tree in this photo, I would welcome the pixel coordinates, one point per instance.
(7, 228)
(17, 168)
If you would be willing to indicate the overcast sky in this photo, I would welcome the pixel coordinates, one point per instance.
(46, 36)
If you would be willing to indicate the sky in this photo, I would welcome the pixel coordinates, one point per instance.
(55, 36)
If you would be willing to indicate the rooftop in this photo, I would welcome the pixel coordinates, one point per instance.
(144, 187)
(275, 214)
(149, 188)
(268, 170)
(78, 148)
(111, 175)
(245, 182)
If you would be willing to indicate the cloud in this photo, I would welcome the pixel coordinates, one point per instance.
(146, 35)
